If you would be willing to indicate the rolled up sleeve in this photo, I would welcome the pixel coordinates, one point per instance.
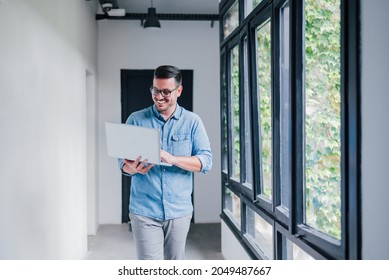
(121, 164)
(202, 148)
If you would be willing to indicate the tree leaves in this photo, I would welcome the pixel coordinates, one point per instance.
(323, 115)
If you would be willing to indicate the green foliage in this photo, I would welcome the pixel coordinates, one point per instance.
(265, 104)
(236, 108)
(322, 115)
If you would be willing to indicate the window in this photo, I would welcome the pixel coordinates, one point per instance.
(264, 97)
(232, 206)
(250, 5)
(231, 19)
(293, 252)
(322, 116)
(259, 232)
(290, 127)
(235, 112)
(248, 180)
(285, 109)
(223, 109)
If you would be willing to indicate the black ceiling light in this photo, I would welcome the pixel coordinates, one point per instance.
(152, 21)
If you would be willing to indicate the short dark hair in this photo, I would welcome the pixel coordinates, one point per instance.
(167, 72)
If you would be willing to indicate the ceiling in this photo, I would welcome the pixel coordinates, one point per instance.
(171, 6)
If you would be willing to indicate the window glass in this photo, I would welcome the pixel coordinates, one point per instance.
(322, 116)
(247, 104)
(250, 5)
(260, 233)
(282, 137)
(232, 206)
(235, 112)
(291, 251)
(265, 105)
(285, 111)
(231, 19)
(224, 139)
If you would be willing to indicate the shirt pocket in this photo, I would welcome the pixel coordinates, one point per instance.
(181, 145)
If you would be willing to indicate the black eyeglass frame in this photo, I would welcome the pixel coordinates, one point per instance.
(164, 92)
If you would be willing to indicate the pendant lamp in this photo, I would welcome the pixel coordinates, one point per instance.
(152, 21)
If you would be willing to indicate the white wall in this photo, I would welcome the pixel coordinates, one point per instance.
(188, 45)
(91, 152)
(375, 130)
(46, 48)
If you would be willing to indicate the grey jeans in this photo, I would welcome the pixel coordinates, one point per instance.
(158, 240)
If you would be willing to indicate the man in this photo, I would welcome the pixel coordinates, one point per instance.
(160, 200)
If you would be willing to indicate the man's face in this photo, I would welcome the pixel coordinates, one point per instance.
(166, 104)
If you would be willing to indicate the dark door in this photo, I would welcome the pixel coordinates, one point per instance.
(135, 95)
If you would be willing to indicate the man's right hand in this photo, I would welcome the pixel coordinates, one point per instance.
(133, 167)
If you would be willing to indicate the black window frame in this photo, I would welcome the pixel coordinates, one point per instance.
(234, 182)
(258, 20)
(281, 212)
(290, 224)
(245, 189)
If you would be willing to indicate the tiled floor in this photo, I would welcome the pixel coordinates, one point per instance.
(115, 242)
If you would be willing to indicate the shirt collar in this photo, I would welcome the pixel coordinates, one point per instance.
(177, 113)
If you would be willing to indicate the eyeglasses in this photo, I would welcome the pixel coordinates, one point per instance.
(164, 92)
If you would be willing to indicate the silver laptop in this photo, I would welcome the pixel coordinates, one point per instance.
(130, 141)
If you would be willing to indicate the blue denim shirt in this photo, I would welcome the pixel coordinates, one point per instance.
(164, 193)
